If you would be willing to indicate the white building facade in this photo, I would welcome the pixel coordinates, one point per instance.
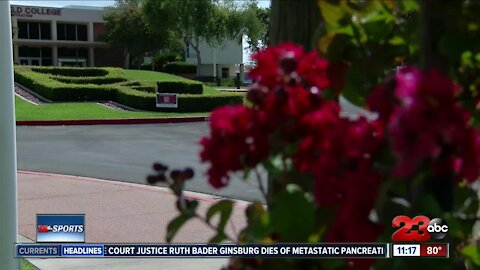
(223, 61)
(69, 36)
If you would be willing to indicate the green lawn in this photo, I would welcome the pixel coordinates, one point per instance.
(154, 76)
(25, 265)
(82, 111)
(146, 75)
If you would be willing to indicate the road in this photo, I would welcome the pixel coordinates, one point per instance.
(125, 153)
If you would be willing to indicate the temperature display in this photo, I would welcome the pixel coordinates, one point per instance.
(434, 250)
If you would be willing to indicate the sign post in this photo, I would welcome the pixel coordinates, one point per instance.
(8, 152)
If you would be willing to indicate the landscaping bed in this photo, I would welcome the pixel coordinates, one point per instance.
(136, 89)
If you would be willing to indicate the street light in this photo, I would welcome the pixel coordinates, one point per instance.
(8, 151)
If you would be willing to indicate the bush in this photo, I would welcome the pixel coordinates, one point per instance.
(180, 68)
(72, 72)
(180, 88)
(148, 89)
(139, 97)
(186, 103)
(89, 80)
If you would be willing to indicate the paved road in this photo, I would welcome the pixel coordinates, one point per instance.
(124, 153)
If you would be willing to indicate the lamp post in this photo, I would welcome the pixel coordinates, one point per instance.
(8, 152)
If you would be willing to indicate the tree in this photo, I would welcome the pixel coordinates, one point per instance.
(126, 30)
(204, 20)
(257, 26)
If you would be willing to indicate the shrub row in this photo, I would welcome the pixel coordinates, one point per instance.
(59, 91)
(180, 88)
(73, 72)
(148, 89)
(180, 68)
(89, 80)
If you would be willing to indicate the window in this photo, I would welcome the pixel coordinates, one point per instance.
(82, 32)
(71, 32)
(45, 31)
(22, 30)
(35, 56)
(61, 31)
(225, 72)
(68, 31)
(34, 30)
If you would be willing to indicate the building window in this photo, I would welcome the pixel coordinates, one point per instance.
(68, 31)
(34, 30)
(225, 72)
(35, 56)
(72, 56)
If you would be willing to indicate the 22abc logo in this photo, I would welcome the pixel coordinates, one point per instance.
(418, 229)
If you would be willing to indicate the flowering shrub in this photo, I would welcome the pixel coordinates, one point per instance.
(339, 176)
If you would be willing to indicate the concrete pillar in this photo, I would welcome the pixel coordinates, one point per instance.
(53, 28)
(91, 57)
(55, 55)
(90, 32)
(8, 153)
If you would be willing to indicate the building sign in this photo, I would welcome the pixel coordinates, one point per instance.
(166, 100)
(29, 12)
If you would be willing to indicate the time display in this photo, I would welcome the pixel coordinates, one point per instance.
(406, 250)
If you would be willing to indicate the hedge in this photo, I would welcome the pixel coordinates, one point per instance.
(89, 80)
(180, 88)
(148, 89)
(186, 103)
(180, 68)
(72, 72)
(59, 91)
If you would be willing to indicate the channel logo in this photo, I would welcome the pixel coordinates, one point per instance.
(61, 228)
(418, 229)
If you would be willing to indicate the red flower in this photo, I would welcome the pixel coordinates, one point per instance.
(427, 125)
(238, 140)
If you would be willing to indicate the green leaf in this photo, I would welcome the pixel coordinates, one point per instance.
(224, 209)
(175, 225)
(472, 252)
(293, 216)
(331, 13)
(218, 238)
(466, 200)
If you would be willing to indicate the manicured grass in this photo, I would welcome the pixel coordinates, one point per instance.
(25, 265)
(83, 111)
(154, 76)
(146, 75)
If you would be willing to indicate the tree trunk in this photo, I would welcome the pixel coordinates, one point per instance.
(299, 22)
(432, 27)
(296, 21)
(199, 58)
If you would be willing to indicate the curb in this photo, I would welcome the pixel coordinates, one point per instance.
(136, 121)
(151, 188)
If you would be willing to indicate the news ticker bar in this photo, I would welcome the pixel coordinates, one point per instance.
(324, 250)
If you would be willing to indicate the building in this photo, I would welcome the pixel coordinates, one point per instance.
(69, 36)
(227, 59)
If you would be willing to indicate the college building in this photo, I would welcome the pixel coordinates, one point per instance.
(223, 61)
(69, 36)
(72, 36)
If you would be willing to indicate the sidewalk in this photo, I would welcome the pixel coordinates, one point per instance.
(115, 212)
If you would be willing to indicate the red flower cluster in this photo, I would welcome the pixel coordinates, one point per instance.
(238, 140)
(426, 125)
(339, 153)
(289, 108)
